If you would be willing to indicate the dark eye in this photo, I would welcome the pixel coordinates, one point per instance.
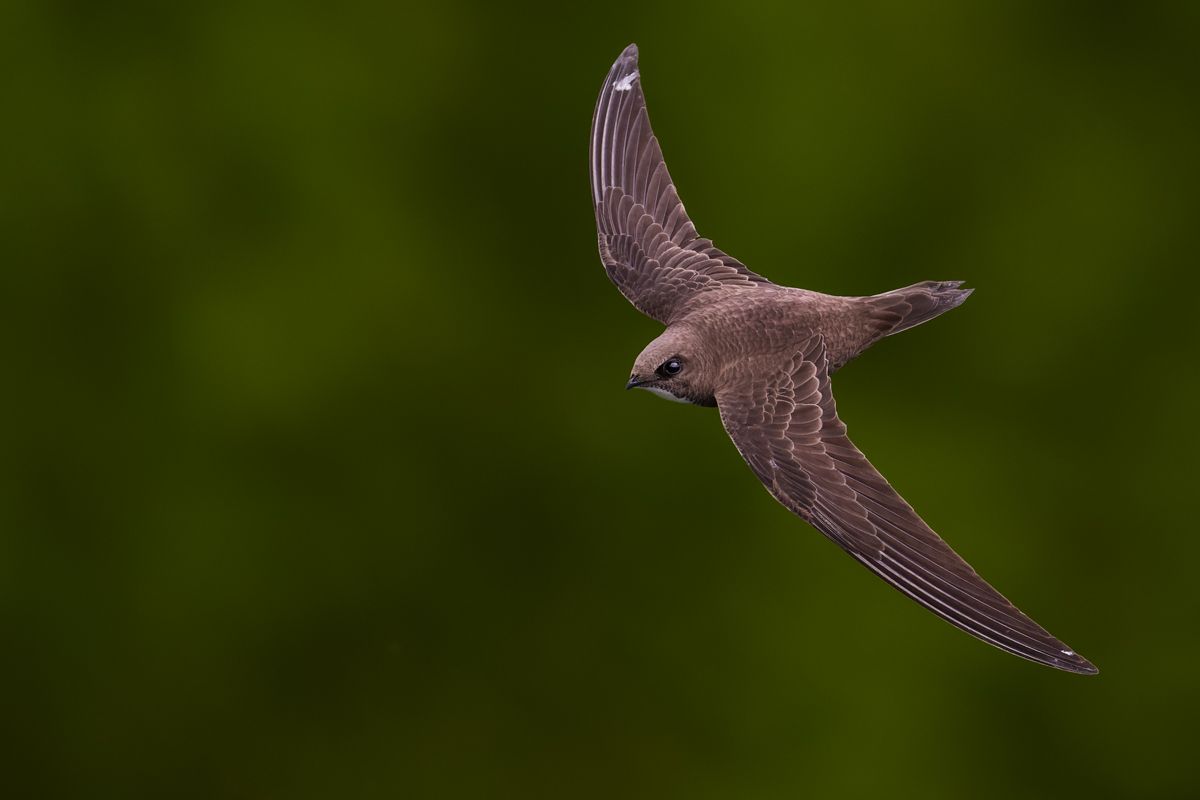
(671, 367)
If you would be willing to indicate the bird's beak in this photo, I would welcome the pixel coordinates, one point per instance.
(634, 381)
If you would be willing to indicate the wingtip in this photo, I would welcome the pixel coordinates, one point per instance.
(1073, 662)
(627, 60)
(624, 72)
(1087, 668)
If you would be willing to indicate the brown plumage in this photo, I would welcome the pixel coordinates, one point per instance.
(763, 354)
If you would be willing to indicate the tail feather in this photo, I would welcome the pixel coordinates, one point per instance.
(901, 309)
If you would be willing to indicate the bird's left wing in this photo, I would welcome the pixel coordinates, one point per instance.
(784, 422)
(649, 246)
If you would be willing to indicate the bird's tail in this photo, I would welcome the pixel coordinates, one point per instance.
(901, 309)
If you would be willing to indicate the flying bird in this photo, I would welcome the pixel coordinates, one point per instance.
(762, 354)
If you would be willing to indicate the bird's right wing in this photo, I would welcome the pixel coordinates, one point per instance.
(782, 418)
(649, 247)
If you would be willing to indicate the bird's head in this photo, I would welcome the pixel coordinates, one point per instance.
(673, 367)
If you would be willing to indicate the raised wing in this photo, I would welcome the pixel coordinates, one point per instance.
(784, 422)
(649, 247)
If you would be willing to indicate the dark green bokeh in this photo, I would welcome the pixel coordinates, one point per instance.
(321, 482)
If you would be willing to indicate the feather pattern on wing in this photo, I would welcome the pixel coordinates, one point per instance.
(649, 246)
(783, 420)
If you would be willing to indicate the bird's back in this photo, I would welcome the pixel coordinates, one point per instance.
(767, 318)
(773, 320)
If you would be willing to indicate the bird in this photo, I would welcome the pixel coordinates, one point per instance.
(763, 355)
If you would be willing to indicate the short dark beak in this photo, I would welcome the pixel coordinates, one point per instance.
(633, 382)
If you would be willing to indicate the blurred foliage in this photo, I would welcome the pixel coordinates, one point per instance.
(319, 477)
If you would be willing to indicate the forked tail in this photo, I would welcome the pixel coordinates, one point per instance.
(901, 309)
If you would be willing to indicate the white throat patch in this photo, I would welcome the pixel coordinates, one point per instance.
(663, 393)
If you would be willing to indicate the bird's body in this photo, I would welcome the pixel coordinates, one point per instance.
(763, 353)
(766, 320)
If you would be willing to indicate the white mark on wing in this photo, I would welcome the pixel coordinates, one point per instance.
(771, 461)
(626, 83)
(1067, 652)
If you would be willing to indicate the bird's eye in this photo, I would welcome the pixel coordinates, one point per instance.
(671, 367)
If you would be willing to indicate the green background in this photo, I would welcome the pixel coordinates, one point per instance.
(319, 476)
